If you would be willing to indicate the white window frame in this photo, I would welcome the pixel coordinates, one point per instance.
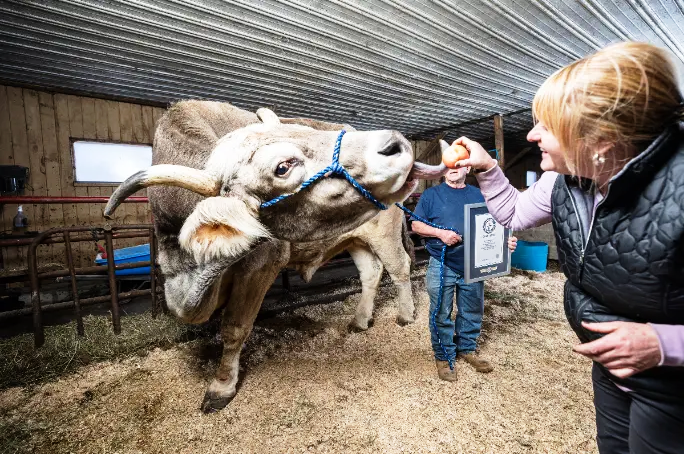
(81, 177)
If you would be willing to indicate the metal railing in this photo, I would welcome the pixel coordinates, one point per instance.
(108, 233)
(68, 236)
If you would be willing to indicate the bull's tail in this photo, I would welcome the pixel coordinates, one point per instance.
(407, 241)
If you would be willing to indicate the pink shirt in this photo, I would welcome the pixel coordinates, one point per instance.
(531, 208)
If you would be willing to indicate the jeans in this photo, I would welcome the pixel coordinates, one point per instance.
(629, 423)
(459, 337)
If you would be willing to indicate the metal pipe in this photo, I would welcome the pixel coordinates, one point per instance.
(109, 244)
(20, 200)
(69, 304)
(74, 288)
(38, 334)
(27, 241)
(153, 271)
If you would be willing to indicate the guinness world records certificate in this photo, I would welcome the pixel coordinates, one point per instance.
(486, 245)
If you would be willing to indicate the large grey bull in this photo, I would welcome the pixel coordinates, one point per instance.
(215, 164)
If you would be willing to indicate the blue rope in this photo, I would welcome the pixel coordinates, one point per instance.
(333, 169)
(438, 306)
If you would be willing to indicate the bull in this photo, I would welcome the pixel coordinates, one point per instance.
(213, 167)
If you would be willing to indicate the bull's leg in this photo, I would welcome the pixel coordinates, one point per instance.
(398, 265)
(247, 294)
(370, 271)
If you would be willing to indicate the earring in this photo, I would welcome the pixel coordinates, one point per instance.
(599, 159)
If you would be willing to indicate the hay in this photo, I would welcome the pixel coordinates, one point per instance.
(64, 351)
(309, 386)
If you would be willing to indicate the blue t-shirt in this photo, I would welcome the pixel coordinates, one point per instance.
(444, 205)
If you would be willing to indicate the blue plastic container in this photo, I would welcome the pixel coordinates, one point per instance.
(128, 255)
(530, 256)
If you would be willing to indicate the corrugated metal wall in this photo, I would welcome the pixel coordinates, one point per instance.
(407, 65)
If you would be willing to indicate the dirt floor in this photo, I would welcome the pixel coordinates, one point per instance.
(310, 386)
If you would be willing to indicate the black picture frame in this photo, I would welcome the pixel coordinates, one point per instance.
(473, 273)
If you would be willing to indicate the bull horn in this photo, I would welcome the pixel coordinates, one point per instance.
(267, 116)
(195, 180)
(421, 171)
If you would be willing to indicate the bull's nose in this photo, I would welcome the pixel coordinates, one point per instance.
(394, 145)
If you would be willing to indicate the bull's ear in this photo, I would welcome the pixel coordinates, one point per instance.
(267, 116)
(220, 228)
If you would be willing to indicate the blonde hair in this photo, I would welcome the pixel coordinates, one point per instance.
(624, 95)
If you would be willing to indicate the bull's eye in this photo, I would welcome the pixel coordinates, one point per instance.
(284, 168)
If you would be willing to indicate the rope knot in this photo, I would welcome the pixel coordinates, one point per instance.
(336, 168)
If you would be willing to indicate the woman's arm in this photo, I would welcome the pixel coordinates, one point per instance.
(671, 338)
(514, 209)
(510, 207)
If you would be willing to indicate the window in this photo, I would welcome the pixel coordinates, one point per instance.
(103, 162)
(531, 178)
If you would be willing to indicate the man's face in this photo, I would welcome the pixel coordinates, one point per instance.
(457, 176)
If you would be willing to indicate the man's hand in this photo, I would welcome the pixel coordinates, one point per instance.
(450, 238)
(627, 347)
(512, 243)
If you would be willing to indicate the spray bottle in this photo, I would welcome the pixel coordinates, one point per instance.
(20, 223)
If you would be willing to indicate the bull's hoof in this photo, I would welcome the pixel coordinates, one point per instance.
(358, 327)
(403, 320)
(214, 402)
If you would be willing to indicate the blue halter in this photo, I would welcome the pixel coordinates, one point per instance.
(333, 169)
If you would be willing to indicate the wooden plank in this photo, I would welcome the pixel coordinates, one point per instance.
(113, 121)
(36, 157)
(20, 151)
(82, 210)
(55, 213)
(126, 119)
(157, 113)
(101, 120)
(129, 211)
(89, 119)
(137, 122)
(148, 124)
(90, 131)
(499, 139)
(9, 255)
(66, 163)
(139, 133)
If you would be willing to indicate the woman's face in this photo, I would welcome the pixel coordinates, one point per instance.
(552, 157)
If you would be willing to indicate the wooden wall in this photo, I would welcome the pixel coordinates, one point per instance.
(36, 131)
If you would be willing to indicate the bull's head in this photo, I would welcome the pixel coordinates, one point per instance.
(259, 162)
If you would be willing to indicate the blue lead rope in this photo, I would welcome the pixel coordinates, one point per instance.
(336, 169)
(333, 169)
(438, 306)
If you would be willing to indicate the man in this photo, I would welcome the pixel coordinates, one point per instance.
(444, 205)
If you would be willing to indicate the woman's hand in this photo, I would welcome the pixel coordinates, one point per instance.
(512, 243)
(479, 158)
(627, 347)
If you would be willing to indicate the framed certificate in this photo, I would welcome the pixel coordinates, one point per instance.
(486, 245)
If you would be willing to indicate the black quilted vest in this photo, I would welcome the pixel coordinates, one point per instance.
(629, 263)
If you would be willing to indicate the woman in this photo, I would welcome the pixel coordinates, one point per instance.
(609, 127)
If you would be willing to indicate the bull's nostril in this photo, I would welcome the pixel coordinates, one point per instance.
(391, 149)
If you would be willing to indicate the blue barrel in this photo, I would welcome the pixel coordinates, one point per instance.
(530, 256)
(130, 255)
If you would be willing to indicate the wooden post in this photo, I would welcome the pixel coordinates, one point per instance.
(499, 139)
